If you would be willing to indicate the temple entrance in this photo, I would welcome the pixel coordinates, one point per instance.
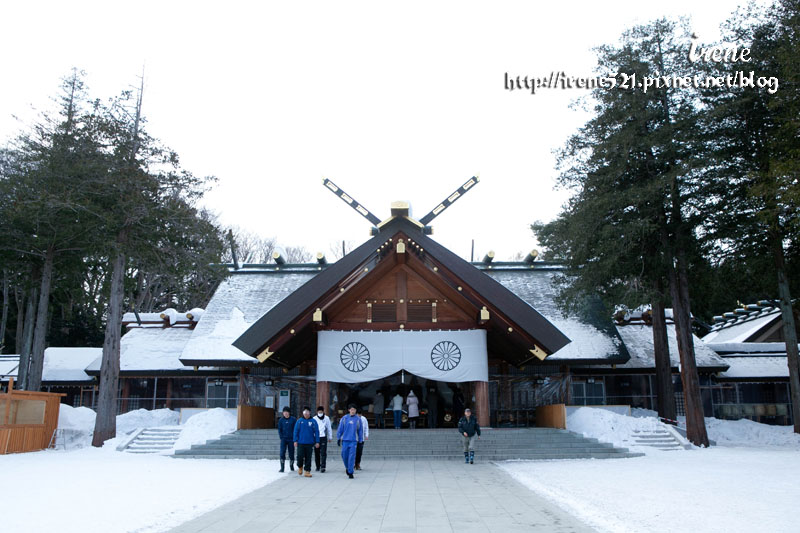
(440, 404)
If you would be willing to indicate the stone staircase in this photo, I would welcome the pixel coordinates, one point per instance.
(424, 444)
(152, 440)
(662, 439)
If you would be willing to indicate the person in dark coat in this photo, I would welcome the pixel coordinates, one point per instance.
(286, 433)
(379, 404)
(306, 438)
(470, 430)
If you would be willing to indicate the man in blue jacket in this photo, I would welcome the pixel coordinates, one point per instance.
(349, 434)
(306, 438)
(286, 433)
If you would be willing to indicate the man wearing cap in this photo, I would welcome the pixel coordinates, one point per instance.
(306, 438)
(325, 435)
(286, 433)
(349, 434)
(470, 430)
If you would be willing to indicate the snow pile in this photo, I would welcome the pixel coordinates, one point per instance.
(205, 426)
(142, 418)
(607, 426)
(77, 424)
(100, 490)
(748, 433)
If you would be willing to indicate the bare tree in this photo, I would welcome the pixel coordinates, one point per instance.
(340, 249)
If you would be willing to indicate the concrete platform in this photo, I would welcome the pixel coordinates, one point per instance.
(391, 496)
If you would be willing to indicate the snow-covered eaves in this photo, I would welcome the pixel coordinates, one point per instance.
(592, 341)
(638, 339)
(725, 348)
(758, 368)
(166, 318)
(241, 299)
(743, 327)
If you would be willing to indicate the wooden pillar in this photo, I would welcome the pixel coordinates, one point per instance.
(126, 391)
(323, 396)
(481, 392)
(169, 392)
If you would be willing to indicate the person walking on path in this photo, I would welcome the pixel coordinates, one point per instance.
(325, 435)
(349, 434)
(306, 438)
(286, 433)
(413, 409)
(397, 410)
(378, 407)
(470, 430)
(364, 435)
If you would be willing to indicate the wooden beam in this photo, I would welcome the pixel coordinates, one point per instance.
(402, 296)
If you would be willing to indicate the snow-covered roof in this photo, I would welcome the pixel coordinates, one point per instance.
(638, 339)
(150, 349)
(776, 348)
(241, 299)
(68, 364)
(742, 327)
(755, 367)
(9, 365)
(590, 340)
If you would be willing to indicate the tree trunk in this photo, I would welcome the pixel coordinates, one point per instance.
(40, 329)
(19, 297)
(665, 393)
(106, 422)
(681, 315)
(4, 317)
(789, 330)
(27, 341)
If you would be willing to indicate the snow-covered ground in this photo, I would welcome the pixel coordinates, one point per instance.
(748, 482)
(102, 490)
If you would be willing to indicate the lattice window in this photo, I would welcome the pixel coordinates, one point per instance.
(384, 313)
(420, 312)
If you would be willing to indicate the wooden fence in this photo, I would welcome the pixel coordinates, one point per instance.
(28, 419)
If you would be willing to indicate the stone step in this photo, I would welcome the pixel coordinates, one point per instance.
(423, 453)
(153, 440)
(454, 457)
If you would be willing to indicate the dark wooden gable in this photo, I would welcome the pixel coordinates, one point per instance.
(402, 297)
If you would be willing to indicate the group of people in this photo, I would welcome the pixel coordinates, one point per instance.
(306, 434)
(412, 404)
(397, 402)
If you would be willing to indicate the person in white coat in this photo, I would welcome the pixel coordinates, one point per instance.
(397, 410)
(364, 437)
(413, 409)
(325, 435)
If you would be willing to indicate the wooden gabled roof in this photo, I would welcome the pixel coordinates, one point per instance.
(282, 325)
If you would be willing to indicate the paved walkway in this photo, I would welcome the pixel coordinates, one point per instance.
(391, 496)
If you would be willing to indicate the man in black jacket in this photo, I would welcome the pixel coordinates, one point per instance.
(286, 433)
(470, 430)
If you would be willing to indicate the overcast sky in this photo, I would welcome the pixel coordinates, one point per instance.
(391, 101)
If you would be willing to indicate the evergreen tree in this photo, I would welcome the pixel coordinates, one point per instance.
(628, 229)
(753, 134)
